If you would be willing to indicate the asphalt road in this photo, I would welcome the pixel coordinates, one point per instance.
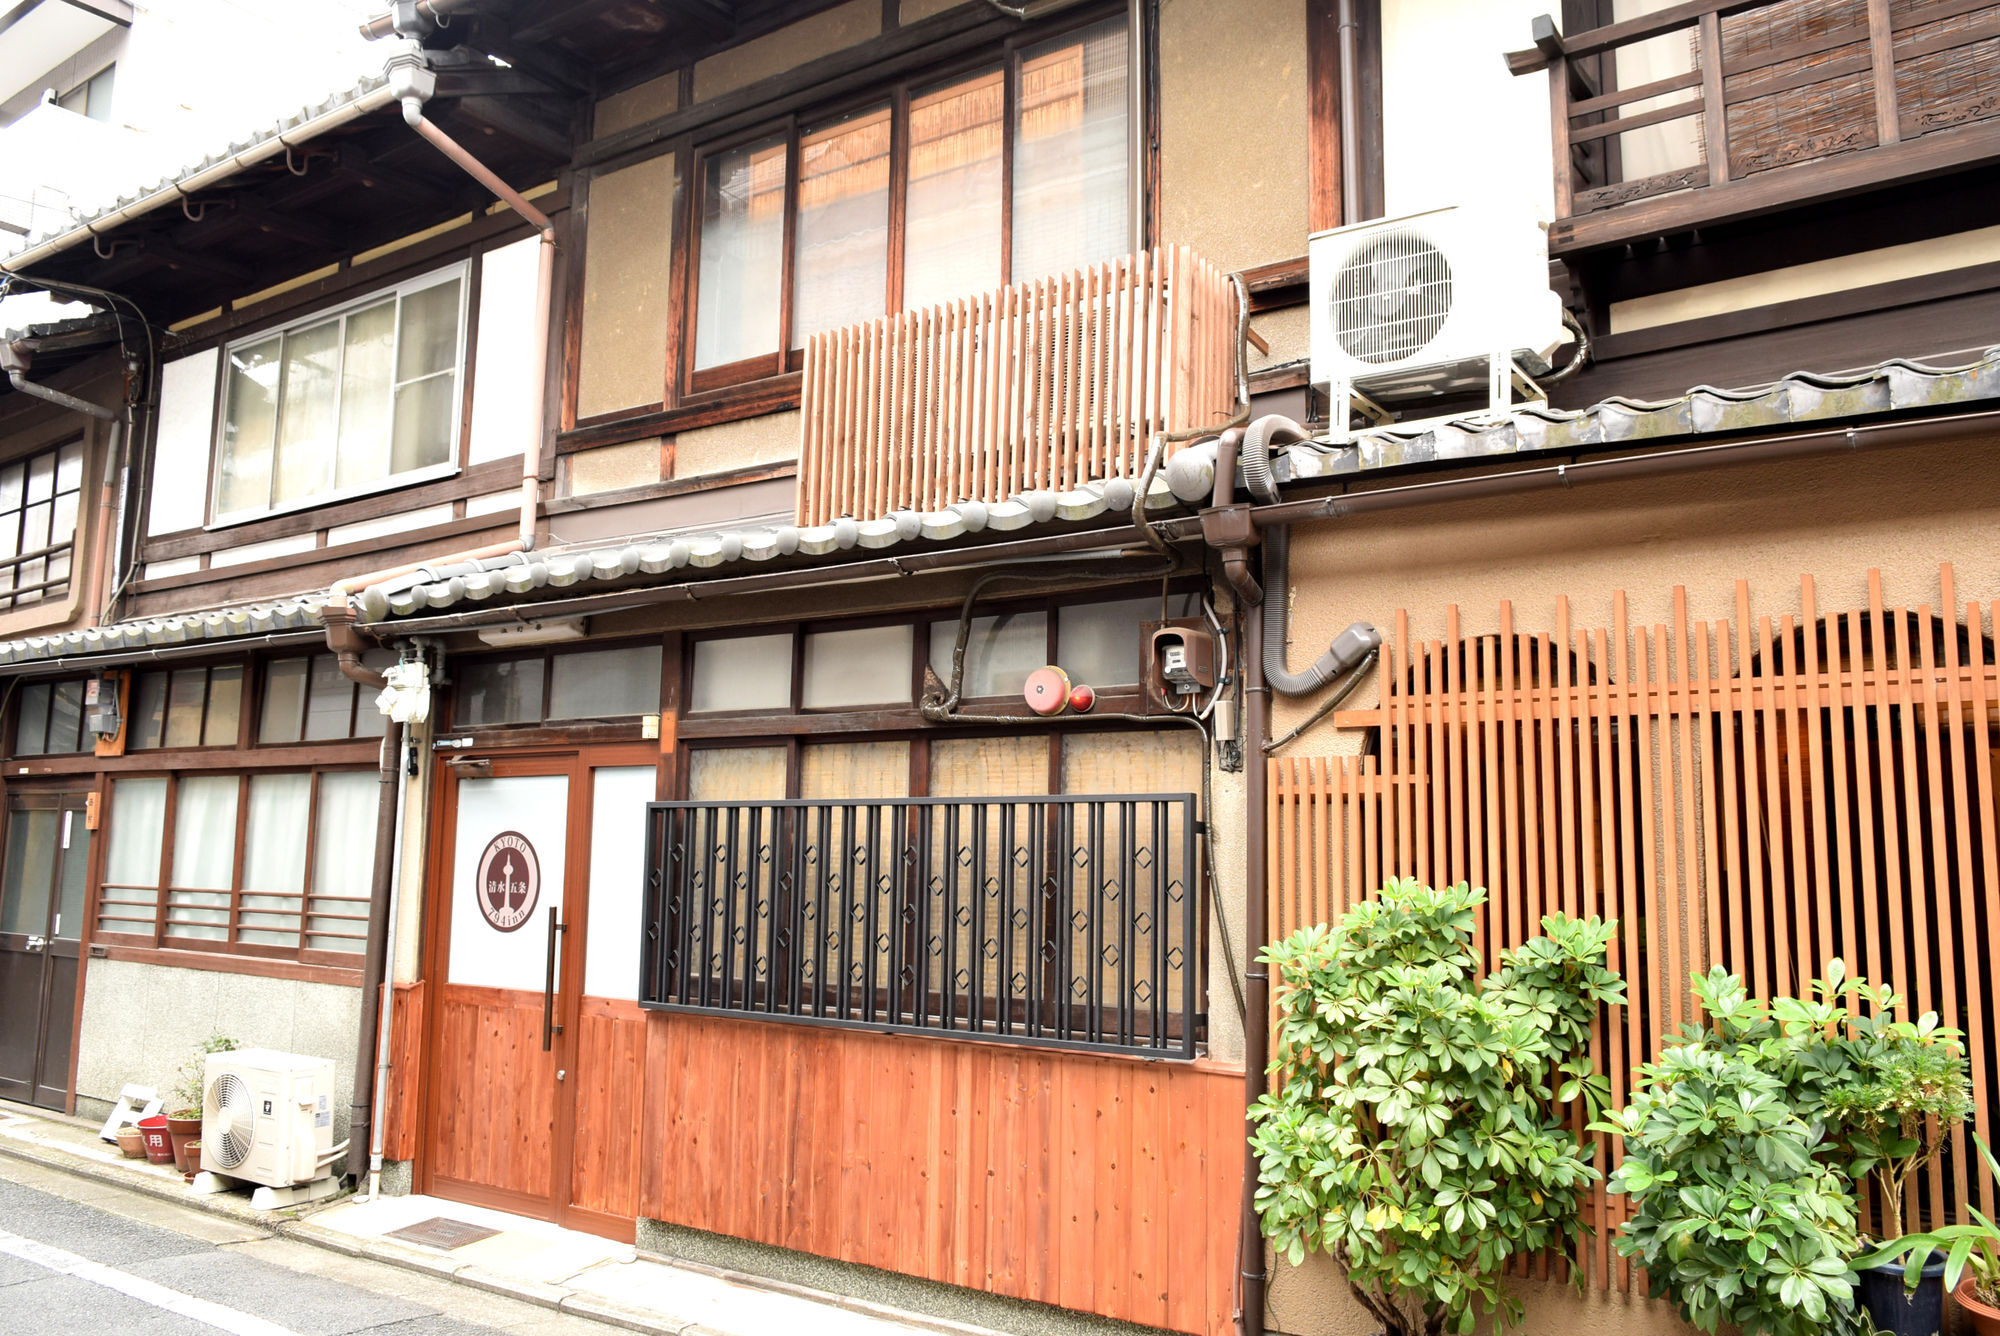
(79, 1258)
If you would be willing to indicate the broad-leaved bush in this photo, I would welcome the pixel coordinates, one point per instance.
(1417, 1130)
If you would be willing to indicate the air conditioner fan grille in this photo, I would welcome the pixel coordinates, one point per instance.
(229, 1093)
(1391, 296)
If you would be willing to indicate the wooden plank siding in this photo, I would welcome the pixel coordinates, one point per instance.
(406, 1073)
(1766, 792)
(1040, 386)
(1090, 1182)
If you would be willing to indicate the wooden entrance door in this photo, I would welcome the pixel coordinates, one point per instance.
(43, 881)
(530, 1075)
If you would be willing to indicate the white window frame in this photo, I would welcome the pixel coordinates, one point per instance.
(462, 270)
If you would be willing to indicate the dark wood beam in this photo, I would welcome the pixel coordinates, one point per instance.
(492, 81)
(492, 116)
(175, 257)
(559, 19)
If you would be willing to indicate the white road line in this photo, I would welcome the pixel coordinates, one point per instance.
(231, 1320)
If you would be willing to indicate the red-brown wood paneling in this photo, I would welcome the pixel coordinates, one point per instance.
(499, 1145)
(406, 1056)
(1107, 1185)
(609, 1086)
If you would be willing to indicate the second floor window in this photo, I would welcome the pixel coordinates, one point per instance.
(344, 403)
(941, 190)
(38, 497)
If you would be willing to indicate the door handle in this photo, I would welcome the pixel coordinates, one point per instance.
(549, 1027)
(38, 943)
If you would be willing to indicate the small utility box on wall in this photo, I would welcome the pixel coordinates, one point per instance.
(1176, 662)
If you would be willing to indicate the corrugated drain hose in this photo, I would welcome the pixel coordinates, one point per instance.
(1350, 645)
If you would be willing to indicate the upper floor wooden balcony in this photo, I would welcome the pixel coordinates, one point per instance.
(1040, 387)
(1715, 110)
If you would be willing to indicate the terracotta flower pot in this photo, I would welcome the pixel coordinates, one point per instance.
(1985, 1318)
(132, 1142)
(193, 1165)
(181, 1131)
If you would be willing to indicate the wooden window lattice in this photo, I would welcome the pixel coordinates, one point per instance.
(1761, 792)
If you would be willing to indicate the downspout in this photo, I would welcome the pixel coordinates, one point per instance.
(384, 1058)
(1263, 669)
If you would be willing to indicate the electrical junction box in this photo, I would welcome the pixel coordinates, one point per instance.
(1177, 662)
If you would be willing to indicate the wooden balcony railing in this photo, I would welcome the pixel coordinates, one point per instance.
(1043, 385)
(1720, 109)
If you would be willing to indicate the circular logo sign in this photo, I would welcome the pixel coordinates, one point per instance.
(510, 877)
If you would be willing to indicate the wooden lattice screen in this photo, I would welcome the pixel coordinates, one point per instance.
(1763, 792)
(1043, 385)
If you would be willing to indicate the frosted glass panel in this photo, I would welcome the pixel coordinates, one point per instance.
(284, 700)
(989, 767)
(855, 770)
(742, 254)
(506, 692)
(274, 860)
(138, 824)
(736, 774)
(1072, 158)
(843, 229)
(225, 705)
(306, 422)
(870, 666)
(32, 724)
(1099, 642)
(952, 235)
(205, 832)
(329, 700)
(364, 395)
(184, 698)
(338, 912)
(1000, 652)
(244, 481)
(603, 684)
(743, 673)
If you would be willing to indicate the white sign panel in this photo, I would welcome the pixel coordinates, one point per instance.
(507, 873)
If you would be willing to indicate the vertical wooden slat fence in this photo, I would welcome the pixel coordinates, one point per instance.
(1766, 792)
(1043, 385)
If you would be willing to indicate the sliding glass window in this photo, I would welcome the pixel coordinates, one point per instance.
(941, 189)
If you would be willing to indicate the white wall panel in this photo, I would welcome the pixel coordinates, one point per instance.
(180, 454)
(502, 378)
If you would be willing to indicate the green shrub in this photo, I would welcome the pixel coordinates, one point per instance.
(1416, 1130)
(187, 1090)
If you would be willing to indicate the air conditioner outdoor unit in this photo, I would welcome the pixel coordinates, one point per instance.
(1410, 312)
(267, 1118)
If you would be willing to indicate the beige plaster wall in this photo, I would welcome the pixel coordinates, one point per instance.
(1900, 509)
(1313, 1300)
(823, 33)
(1233, 129)
(609, 467)
(623, 358)
(636, 105)
(737, 445)
(915, 11)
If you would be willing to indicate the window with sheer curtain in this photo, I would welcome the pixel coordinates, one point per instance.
(343, 403)
(905, 203)
(271, 864)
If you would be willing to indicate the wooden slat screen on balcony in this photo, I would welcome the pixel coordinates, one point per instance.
(1043, 385)
(1765, 792)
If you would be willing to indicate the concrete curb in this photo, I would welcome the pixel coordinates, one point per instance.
(295, 1223)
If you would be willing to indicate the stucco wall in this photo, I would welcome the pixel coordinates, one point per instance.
(623, 359)
(141, 1021)
(636, 105)
(610, 467)
(795, 44)
(736, 445)
(1233, 129)
(1901, 510)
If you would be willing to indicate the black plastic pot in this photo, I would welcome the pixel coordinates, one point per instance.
(1899, 1311)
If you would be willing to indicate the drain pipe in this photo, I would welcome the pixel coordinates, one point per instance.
(384, 1057)
(413, 83)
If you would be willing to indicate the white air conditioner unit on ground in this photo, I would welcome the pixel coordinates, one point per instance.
(1411, 313)
(267, 1118)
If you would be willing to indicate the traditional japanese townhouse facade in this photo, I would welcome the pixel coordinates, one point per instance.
(821, 375)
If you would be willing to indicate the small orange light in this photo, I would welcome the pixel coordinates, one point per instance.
(1082, 697)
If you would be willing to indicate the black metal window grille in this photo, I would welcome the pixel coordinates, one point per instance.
(1068, 921)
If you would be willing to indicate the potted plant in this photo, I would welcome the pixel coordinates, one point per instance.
(1971, 1269)
(184, 1115)
(1742, 1215)
(1903, 1088)
(1417, 1130)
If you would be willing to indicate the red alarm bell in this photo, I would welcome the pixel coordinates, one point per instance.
(1047, 691)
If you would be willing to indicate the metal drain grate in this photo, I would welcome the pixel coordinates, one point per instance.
(439, 1232)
